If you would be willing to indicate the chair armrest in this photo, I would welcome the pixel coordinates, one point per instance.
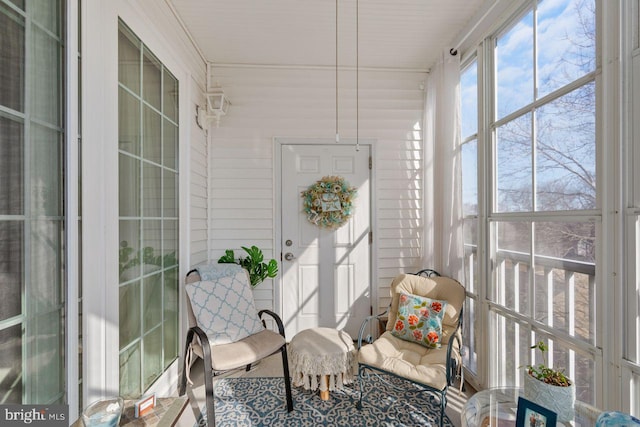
(202, 336)
(364, 326)
(275, 317)
(455, 336)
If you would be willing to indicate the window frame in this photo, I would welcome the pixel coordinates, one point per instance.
(143, 217)
(489, 216)
(474, 293)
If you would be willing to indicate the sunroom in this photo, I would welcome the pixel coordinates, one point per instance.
(494, 141)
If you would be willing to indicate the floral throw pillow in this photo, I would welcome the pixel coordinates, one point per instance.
(419, 320)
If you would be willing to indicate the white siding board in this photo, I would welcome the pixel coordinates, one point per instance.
(257, 184)
(220, 245)
(395, 214)
(397, 243)
(388, 233)
(242, 213)
(238, 223)
(238, 192)
(243, 235)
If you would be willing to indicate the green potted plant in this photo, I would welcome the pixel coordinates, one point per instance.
(253, 263)
(550, 388)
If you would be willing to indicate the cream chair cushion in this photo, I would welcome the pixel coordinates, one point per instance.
(255, 347)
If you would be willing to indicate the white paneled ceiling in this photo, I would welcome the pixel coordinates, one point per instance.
(398, 34)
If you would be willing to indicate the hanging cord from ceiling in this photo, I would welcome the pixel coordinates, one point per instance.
(337, 134)
(357, 75)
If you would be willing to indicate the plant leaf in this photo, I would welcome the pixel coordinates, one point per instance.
(227, 258)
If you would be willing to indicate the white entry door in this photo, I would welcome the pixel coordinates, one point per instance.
(326, 272)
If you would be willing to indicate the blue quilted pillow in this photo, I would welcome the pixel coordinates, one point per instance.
(223, 305)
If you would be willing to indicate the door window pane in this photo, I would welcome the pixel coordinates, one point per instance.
(45, 290)
(170, 145)
(469, 100)
(152, 302)
(46, 76)
(565, 277)
(11, 364)
(470, 178)
(11, 165)
(566, 152)
(514, 171)
(46, 180)
(129, 186)
(170, 96)
(129, 254)
(512, 349)
(128, 122)
(11, 269)
(513, 264)
(171, 308)
(151, 78)
(514, 64)
(130, 369)
(152, 131)
(153, 366)
(12, 66)
(151, 246)
(566, 42)
(130, 328)
(470, 233)
(152, 190)
(128, 60)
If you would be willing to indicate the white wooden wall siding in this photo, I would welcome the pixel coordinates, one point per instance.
(198, 186)
(270, 102)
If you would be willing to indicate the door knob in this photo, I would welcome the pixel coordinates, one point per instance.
(289, 256)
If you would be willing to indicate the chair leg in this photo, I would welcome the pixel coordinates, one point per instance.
(443, 404)
(287, 377)
(360, 382)
(208, 387)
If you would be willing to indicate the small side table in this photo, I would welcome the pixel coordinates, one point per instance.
(499, 406)
(322, 358)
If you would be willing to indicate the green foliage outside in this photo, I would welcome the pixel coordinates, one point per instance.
(129, 257)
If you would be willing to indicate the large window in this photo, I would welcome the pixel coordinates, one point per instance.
(542, 218)
(32, 291)
(469, 120)
(148, 205)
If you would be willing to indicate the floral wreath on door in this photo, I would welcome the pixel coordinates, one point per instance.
(329, 202)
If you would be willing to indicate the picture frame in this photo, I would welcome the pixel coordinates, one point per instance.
(531, 414)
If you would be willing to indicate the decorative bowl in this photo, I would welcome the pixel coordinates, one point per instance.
(103, 413)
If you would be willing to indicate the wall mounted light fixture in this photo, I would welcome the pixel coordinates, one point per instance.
(217, 105)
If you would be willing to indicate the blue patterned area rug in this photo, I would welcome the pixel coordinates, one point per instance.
(261, 402)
